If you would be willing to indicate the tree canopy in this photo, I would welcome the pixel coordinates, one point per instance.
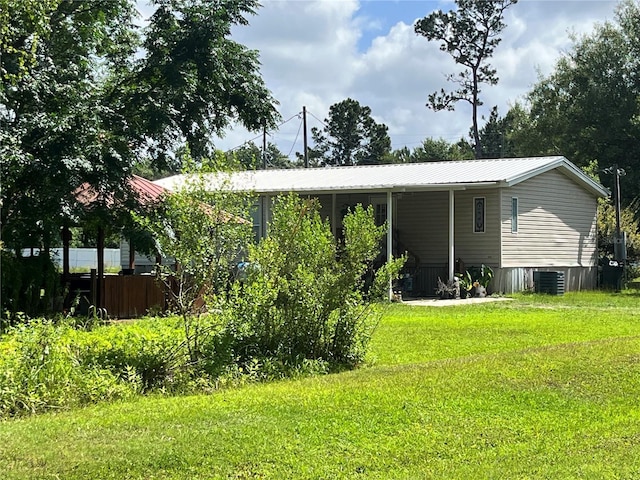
(350, 136)
(470, 35)
(588, 108)
(250, 157)
(433, 150)
(86, 95)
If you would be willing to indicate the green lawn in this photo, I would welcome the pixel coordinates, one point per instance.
(540, 387)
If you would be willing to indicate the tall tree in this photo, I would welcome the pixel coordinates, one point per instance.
(508, 136)
(588, 108)
(470, 35)
(433, 150)
(350, 137)
(250, 157)
(85, 93)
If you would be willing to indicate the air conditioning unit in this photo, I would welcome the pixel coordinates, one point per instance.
(551, 283)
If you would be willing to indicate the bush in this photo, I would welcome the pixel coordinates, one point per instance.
(39, 372)
(303, 299)
(153, 350)
(30, 285)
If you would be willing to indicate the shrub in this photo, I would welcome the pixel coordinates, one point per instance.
(38, 372)
(303, 299)
(153, 350)
(28, 284)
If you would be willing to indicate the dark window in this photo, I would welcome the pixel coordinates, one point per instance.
(478, 215)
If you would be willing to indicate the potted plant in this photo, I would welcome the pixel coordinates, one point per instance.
(482, 277)
(448, 290)
(466, 284)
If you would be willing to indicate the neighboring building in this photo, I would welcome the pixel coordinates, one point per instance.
(516, 215)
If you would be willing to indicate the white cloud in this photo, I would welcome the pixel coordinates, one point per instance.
(310, 56)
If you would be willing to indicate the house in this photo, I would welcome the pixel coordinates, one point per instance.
(516, 215)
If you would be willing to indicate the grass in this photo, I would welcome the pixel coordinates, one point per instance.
(540, 387)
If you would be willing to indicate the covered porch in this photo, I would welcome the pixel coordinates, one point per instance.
(423, 229)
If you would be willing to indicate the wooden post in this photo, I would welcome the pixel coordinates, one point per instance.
(132, 255)
(100, 281)
(94, 288)
(66, 240)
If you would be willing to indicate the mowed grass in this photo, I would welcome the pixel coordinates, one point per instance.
(539, 387)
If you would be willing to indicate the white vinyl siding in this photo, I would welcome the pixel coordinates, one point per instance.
(422, 225)
(473, 248)
(556, 223)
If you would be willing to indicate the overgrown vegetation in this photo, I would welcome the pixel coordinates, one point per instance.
(303, 298)
(538, 387)
(300, 310)
(29, 285)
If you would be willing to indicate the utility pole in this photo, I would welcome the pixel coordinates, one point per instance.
(617, 173)
(264, 146)
(619, 240)
(304, 136)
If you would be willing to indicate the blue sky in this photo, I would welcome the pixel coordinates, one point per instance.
(381, 15)
(319, 52)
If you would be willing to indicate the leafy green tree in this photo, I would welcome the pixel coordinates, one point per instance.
(350, 137)
(203, 234)
(588, 108)
(194, 79)
(249, 156)
(470, 35)
(433, 150)
(55, 127)
(22, 25)
(86, 93)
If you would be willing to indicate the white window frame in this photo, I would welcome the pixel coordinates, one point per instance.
(515, 212)
(380, 200)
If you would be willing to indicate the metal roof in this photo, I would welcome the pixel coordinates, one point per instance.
(395, 177)
(146, 191)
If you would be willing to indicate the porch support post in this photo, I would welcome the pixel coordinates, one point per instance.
(451, 234)
(390, 236)
(334, 217)
(266, 200)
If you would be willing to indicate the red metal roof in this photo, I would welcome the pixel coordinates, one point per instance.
(147, 191)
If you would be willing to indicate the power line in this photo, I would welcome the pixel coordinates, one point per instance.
(296, 139)
(260, 135)
(321, 121)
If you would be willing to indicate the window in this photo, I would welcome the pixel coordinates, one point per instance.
(380, 213)
(256, 217)
(514, 214)
(478, 215)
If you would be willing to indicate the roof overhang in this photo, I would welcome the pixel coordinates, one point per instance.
(378, 189)
(567, 168)
(424, 177)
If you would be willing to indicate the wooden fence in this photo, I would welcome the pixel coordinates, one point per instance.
(132, 296)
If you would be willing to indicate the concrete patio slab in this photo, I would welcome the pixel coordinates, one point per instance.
(436, 302)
